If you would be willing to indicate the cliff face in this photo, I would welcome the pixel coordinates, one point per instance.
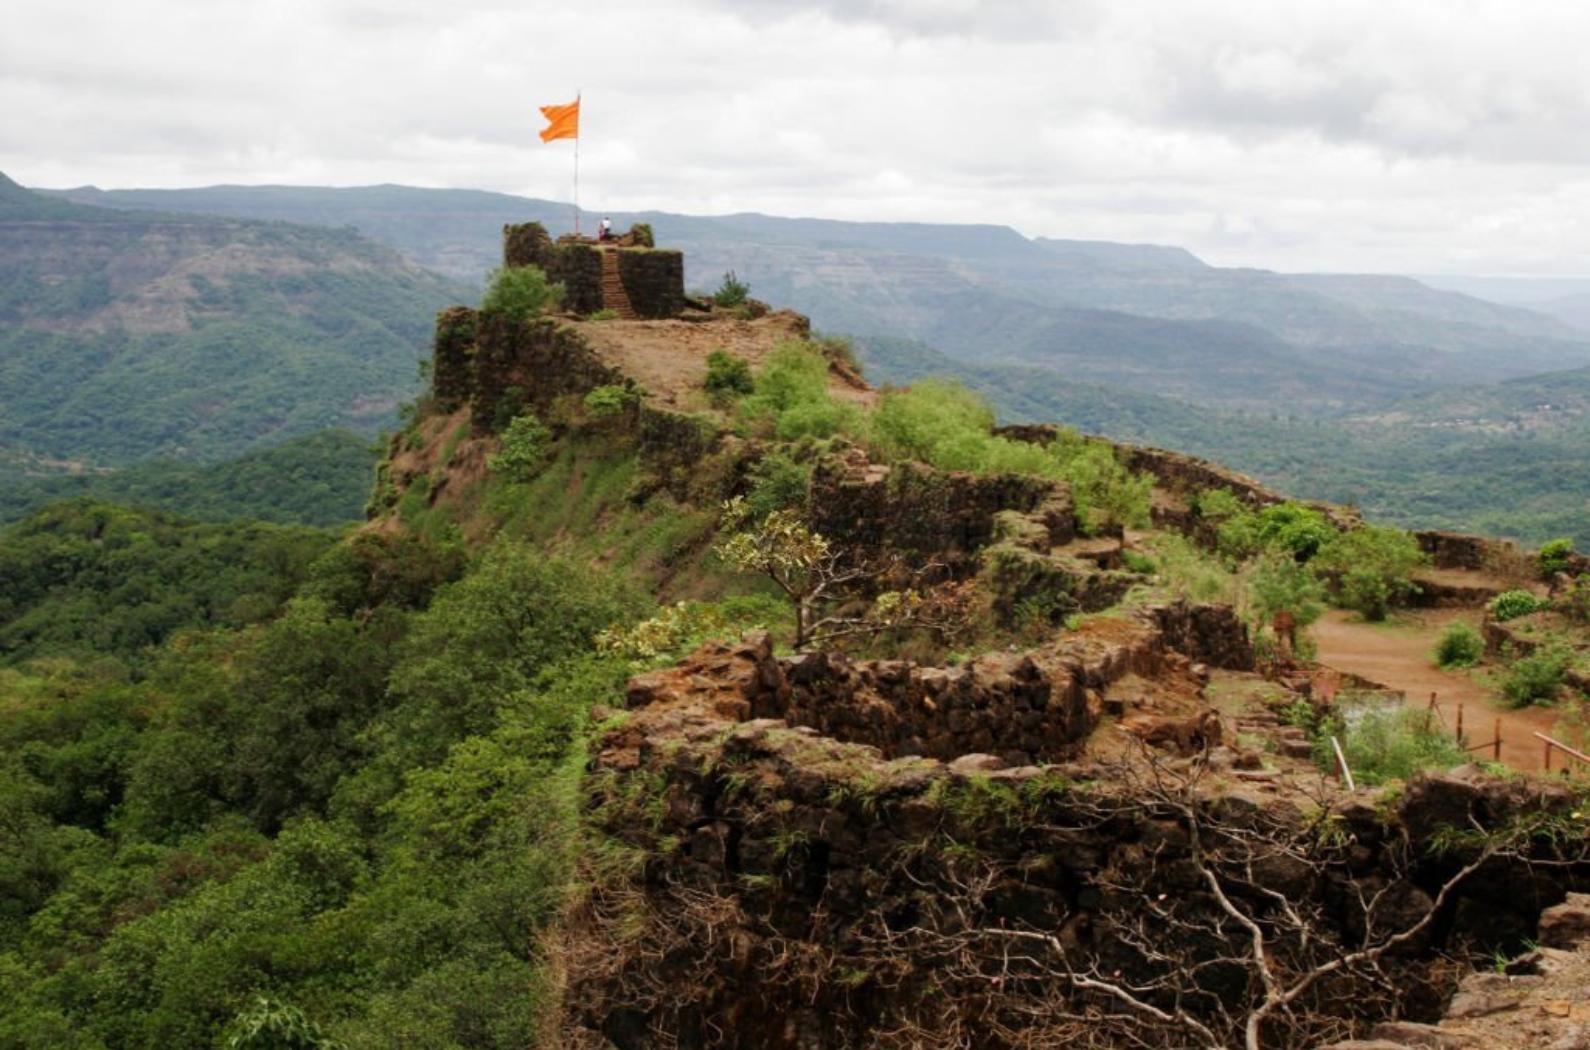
(839, 876)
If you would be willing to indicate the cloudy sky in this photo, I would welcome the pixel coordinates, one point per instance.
(1412, 136)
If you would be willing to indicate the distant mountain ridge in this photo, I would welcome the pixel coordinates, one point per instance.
(1327, 385)
(1144, 316)
(126, 335)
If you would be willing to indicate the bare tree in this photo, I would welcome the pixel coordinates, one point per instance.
(1244, 926)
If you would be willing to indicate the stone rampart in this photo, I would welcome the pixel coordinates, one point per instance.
(653, 279)
(912, 507)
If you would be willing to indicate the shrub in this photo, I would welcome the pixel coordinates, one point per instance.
(728, 377)
(1282, 583)
(732, 292)
(524, 449)
(1510, 605)
(1103, 490)
(947, 426)
(792, 395)
(1574, 601)
(1536, 678)
(1296, 528)
(1387, 742)
(778, 482)
(519, 292)
(609, 400)
(1217, 505)
(1460, 645)
(1553, 556)
(1136, 561)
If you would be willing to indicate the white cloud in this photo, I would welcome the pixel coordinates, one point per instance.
(1417, 136)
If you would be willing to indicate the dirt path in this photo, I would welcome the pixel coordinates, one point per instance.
(1398, 655)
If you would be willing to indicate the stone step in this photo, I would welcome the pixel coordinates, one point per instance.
(613, 295)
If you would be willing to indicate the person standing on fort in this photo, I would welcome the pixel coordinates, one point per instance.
(605, 231)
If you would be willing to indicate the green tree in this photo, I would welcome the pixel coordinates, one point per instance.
(824, 584)
(1373, 568)
(525, 445)
(519, 293)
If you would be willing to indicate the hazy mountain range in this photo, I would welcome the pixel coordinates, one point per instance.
(1346, 387)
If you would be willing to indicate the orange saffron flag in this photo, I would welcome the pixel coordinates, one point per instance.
(563, 121)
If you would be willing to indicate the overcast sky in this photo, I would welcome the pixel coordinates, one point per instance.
(1405, 136)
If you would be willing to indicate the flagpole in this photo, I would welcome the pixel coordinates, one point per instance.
(576, 171)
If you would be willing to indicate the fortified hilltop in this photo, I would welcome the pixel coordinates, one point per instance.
(1102, 828)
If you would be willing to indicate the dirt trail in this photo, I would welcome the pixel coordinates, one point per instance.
(1398, 655)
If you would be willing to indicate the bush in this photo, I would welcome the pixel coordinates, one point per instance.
(519, 292)
(778, 482)
(1536, 678)
(1553, 556)
(1281, 583)
(1103, 490)
(1295, 528)
(609, 400)
(1138, 562)
(732, 292)
(1510, 605)
(949, 427)
(524, 449)
(728, 377)
(1574, 600)
(792, 395)
(1387, 742)
(1460, 645)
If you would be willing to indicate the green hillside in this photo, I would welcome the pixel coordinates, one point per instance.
(131, 335)
(322, 478)
(1505, 460)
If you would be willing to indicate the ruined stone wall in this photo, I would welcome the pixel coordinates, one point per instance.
(1451, 550)
(760, 885)
(1173, 471)
(912, 507)
(1211, 634)
(453, 360)
(1186, 475)
(1023, 708)
(681, 455)
(528, 244)
(578, 267)
(529, 364)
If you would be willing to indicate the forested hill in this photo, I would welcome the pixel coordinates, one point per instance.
(129, 335)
